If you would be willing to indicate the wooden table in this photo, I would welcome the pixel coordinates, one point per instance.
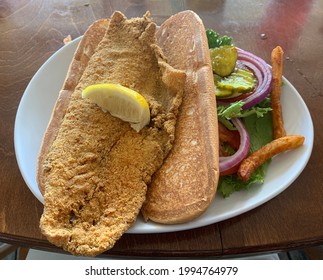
(32, 30)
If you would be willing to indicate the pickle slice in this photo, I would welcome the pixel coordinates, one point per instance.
(223, 60)
(239, 82)
(222, 93)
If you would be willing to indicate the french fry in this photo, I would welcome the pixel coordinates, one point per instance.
(277, 69)
(277, 146)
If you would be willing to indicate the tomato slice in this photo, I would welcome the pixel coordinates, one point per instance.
(229, 136)
(232, 170)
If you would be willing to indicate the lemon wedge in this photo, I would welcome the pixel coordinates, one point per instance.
(121, 102)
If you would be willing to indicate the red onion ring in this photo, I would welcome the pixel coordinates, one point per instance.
(261, 71)
(230, 162)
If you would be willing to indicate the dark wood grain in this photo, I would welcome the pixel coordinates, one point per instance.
(31, 31)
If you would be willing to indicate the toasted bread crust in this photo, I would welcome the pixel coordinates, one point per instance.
(183, 188)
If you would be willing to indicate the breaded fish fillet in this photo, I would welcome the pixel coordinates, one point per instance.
(94, 168)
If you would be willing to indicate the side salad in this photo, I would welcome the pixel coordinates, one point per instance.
(243, 83)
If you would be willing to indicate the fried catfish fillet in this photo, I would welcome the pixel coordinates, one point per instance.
(94, 168)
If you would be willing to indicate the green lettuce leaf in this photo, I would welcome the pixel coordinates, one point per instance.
(234, 110)
(216, 41)
(260, 132)
(231, 183)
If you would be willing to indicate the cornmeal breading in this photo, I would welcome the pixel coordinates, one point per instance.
(96, 170)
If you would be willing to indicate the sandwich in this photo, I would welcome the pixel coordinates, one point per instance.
(95, 171)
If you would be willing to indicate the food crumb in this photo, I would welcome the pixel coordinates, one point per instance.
(67, 39)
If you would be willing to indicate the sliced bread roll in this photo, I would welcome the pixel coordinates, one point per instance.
(184, 187)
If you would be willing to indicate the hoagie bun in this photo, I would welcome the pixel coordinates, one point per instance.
(184, 187)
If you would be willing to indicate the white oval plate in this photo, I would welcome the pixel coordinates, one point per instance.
(36, 106)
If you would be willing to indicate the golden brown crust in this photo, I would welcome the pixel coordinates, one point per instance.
(80, 60)
(183, 188)
(96, 170)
